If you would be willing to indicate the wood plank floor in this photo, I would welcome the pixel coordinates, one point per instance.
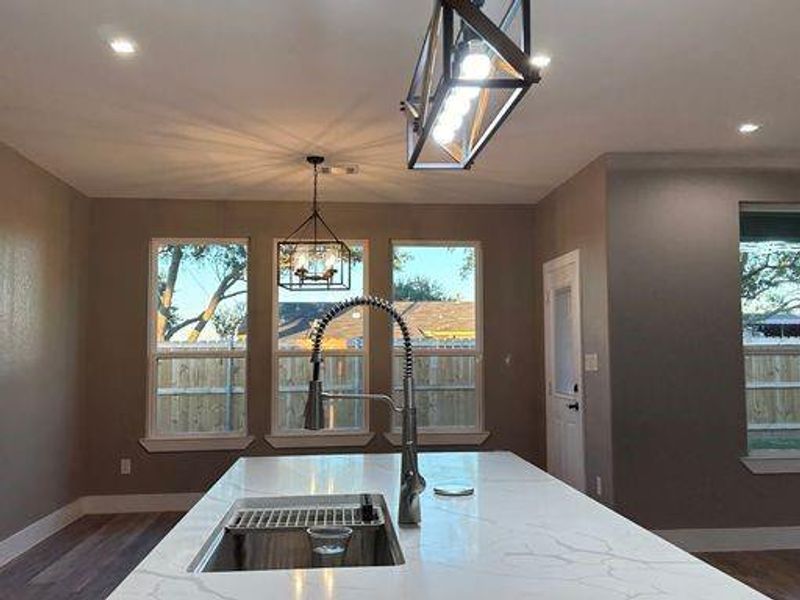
(775, 573)
(90, 557)
(85, 560)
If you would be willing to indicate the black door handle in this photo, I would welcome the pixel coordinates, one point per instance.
(574, 406)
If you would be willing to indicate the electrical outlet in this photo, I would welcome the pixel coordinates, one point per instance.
(598, 486)
(125, 466)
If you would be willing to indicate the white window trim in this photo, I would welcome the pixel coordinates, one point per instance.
(323, 438)
(197, 444)
(772, 462)
(320, 439)
(769, 462)
(188, 442)
(432, 436)
(443, 437)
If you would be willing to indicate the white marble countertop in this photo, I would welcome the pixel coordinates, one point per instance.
(523, 534)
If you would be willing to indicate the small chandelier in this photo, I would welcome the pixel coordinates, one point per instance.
(306, 262)
(462, 91)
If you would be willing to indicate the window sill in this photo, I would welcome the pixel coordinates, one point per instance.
(771, 462)
(319, 440)
(454, 438)
(196, 444)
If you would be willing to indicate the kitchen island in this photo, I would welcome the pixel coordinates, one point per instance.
(523, 534)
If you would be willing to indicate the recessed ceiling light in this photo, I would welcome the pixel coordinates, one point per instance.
(748, 128)
(540, 61)
(123, 46)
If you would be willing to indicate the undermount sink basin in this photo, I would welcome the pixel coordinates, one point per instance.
(270, 533)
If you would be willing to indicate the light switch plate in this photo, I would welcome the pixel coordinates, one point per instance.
(590, 362)
(125, 466)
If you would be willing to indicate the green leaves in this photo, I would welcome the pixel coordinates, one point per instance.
(419, 289)
(770, 282)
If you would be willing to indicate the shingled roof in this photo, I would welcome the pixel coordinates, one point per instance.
(427, 320)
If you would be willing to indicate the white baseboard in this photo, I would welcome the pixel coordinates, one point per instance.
(38, 531)
(751, 539)
(27, 538)
(133, 503)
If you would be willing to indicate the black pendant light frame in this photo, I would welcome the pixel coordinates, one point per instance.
(425, 99)
(334, 278)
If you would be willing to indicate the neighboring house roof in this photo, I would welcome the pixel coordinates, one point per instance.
(426, 320)
(784, 319)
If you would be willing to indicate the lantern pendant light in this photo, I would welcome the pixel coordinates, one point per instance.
(473, 68)
(308, 263)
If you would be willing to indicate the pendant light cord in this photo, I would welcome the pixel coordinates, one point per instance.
(314, 207)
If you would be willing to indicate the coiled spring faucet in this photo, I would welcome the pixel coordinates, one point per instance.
(411, 482)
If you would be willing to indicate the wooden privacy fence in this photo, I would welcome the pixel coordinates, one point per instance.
(445, 385)
(772, 384)
(208, 394)
(200, 395)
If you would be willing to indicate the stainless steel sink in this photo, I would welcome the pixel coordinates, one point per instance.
(270, 533)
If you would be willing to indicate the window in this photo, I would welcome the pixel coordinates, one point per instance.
(769, 258)
(198, 338)
(437, 290)
(345, 353)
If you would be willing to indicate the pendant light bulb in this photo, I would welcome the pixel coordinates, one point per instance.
(476, 65)
(443, 135)
(331, 258)
(470, 92)
(450, 120)
(457, 104)
(300, 260)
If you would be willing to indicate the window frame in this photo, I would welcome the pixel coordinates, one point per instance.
(448, 435)
(762, 461)
(189, 441)
(325, 437)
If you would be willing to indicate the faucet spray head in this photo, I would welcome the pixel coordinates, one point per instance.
(315, 410)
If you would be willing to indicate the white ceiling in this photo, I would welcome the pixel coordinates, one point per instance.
(227, 96)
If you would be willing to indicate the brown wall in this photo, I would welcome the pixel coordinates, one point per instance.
(43, 251)
(677, 380)
(120, 230)
(574, 217)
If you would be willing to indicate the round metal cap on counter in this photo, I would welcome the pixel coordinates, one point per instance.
(453, 489)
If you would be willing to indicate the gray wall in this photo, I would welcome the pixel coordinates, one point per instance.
(659, 249)
(120, 231)
(677, 380)
(574, 217)
(43, 236)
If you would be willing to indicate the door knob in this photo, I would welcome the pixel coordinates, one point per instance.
(575, 388)
(573, 406)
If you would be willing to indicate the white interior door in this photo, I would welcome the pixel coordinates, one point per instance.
(564, 382)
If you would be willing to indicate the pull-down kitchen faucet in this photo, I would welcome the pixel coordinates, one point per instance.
(411, 482)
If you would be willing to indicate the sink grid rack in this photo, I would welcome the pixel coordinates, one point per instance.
(301, 517)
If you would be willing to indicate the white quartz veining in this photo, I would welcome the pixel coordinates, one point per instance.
(523, 534)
